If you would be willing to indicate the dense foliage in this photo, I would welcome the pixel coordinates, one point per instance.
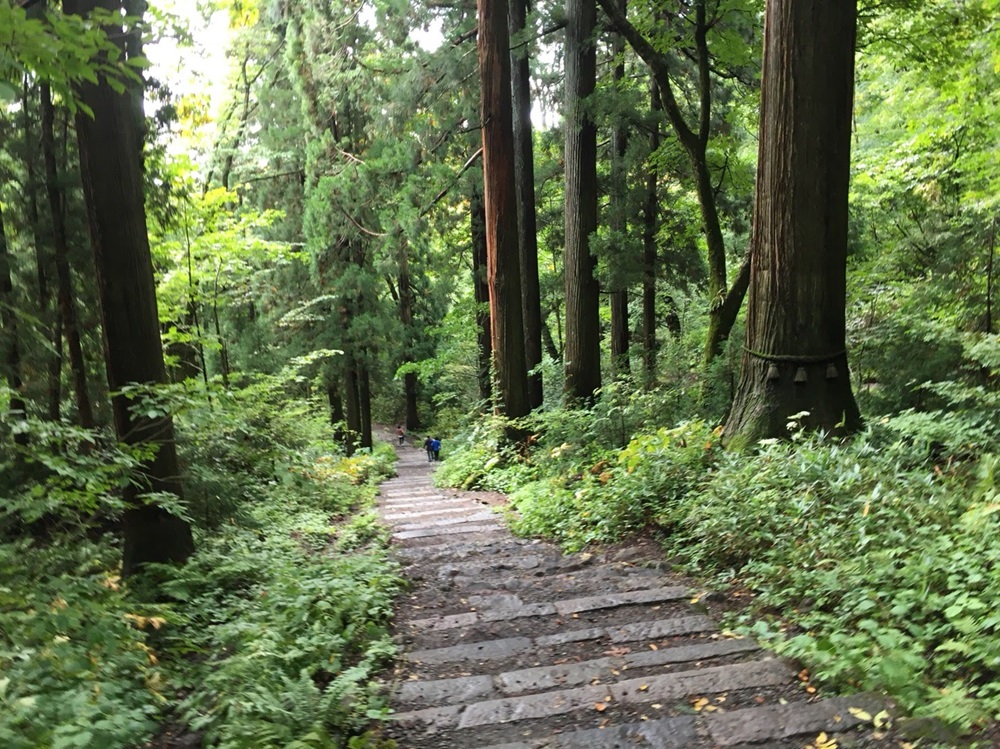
(270, 636)
(312, 181)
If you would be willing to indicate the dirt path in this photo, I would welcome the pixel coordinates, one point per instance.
(509, 644)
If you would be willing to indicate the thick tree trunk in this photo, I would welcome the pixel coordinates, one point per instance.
(353, 409)
(67, 300)
(481, 290)
(113, 188)
(649, 253)
(337, 419)
(550, 343)
(10, 351)
(619, 222)
(49, 317)
(583, 331)
(795, 358)
(524, 177)
(500, 197)
(365, 403)
(412, 418)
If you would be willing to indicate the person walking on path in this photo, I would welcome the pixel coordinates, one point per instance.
(436, 448)
(429, 447)
(400, 434)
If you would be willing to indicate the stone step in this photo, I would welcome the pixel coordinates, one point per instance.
(507, 647)
(450, 531)
(755, 726)
(422, 511)
(673, 686)
(522, 681)
(502, 607)
(470, 516)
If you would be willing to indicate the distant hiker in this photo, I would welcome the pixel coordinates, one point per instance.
(400, 433)
(436, 448)
(429, 447)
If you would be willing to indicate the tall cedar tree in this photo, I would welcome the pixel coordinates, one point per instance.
(110, 161)
(500, 198)
(481, 290)
(618, 207)
(527, 224)
(583, 330)
(649, 254)
(794, 358)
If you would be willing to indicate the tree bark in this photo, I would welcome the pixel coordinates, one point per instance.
(583, 332)
(481, 290)
(365, 403)
(794, 357)
(113, 188)
(67, 300)
(649, 253)
(353, 409)
(620, 364)
(524, 179)
(412, 418)
(500, 198)
(9, 343)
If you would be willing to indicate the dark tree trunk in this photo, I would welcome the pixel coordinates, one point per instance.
(365, 402)
(524, 176)
(619, 223)
(481, 289)
(10, 351)
(353, 409)
(49, 317)
(336, 402)
(500, 198)
(412, 418)
(67, 301)
(583, 331)
(794, 358)
(113, 188)
(649, 253)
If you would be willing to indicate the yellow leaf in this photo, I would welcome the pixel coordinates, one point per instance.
(600, 707)
(868, 507)
(643, 687)
(653, 647)
(860, 714)
(699, 704)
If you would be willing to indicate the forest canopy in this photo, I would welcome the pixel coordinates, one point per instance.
(646, 268)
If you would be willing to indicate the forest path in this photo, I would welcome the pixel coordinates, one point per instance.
(510, 644)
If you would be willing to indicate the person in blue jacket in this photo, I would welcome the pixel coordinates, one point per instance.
(436, 448)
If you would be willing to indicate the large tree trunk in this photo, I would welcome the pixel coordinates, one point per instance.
(500, 197)
(481, 290)
(353, 409)
(619, 222)
(795, 358)
(412, 418)
(365, 402)
(113, 188)
(583, 331)
(10, 351)
(336, 403)
(649, 253)
(67, 300)
(524, 176)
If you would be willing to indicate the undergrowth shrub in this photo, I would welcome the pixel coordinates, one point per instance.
(271, 636)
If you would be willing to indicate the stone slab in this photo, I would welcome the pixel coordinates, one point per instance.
(450, 531)
(661, 628)
(445, 691)
(777, 722)
(669, 733)
(488, 650)
(613, 600)
(674, 686)
(424, 512)
(468, 517)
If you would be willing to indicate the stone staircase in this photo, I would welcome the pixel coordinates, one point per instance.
(510, 644)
